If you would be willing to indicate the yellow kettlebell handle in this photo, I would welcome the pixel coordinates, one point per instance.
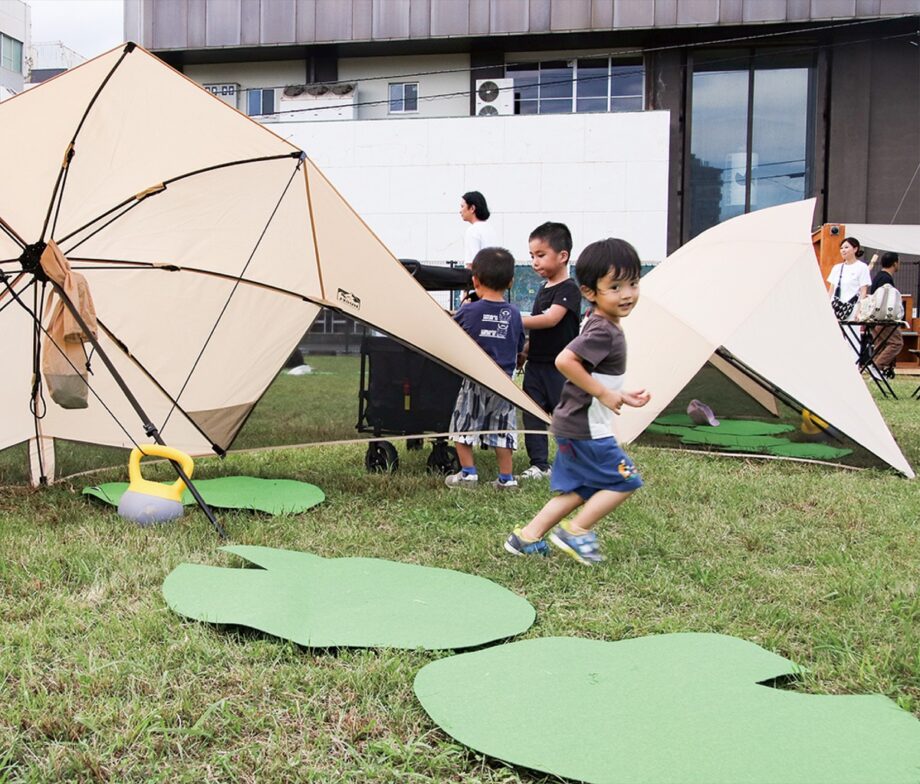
(138, 484)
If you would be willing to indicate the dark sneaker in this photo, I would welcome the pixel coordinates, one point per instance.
(516, 545)
(582, 547)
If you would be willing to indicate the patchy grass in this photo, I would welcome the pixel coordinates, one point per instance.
(101, 682)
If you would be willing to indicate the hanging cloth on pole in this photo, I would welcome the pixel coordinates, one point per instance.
(64, 365)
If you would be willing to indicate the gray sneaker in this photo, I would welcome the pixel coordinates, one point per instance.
(535, 472)
(467, 481)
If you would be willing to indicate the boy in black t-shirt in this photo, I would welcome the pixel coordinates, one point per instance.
(553, 323)
(591, 473)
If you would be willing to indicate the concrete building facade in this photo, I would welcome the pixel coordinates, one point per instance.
(14, 44)
(769, 101)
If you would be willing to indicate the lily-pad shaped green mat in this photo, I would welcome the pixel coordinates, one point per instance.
(712, 437)
(350, 602)
(809, 451)
(274, 496)
(670, 708)
(669, 430)
(735, 427)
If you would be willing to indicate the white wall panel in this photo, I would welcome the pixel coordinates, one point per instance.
(603, 175)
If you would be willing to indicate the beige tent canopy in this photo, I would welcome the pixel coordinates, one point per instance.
(209, 245)
(750, 289)
(904, 238)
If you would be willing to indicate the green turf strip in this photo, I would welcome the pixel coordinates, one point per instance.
(274, 496)
(736, 427)
(667, 708)
(350, 602)
(809, 451)
(749, 427)
(712, 437)
(669, 430)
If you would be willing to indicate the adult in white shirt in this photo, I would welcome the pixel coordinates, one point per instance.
(851, 274)
(851, 277)
(479, 235)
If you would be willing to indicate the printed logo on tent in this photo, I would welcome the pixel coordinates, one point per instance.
(349, 299)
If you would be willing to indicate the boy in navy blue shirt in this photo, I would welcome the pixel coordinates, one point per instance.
(591, 474)
(496, 326)
(553, 323)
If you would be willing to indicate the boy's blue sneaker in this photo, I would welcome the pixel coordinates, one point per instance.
(517, 545)
(582, 547)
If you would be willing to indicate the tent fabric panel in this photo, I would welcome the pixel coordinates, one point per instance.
(216, 222)
(752, 388)
(363, 279)
(32, 152)
(41, 460)
(766, 303)
(227, 373)
(744, 258)
(128, 118)
(95, 425)
(16, 422)
(663, 354)
(9, 250)
(881, 236)
(818, 369)
(222, 424)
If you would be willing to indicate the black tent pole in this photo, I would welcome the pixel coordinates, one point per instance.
(149, 428)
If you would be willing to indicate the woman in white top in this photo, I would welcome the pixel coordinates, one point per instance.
(851, 275)
(479, 235)
(852, 279)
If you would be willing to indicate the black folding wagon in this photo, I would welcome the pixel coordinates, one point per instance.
(403, 392)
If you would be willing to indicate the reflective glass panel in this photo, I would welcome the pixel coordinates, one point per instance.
(395, 97)
(627, 80)
(410, 97)
(780, 137)
(592, 79)
(718, 147)
(556, 81)
(630, 104)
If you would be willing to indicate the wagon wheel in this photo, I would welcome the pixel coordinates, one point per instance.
(381, 456)
(443, 459)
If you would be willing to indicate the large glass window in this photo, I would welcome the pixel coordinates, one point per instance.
(750, 134)
(10, 53)
(588, 85)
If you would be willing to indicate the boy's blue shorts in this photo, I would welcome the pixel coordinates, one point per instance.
(584, 467)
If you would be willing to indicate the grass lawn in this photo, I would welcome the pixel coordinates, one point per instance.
(101, 682)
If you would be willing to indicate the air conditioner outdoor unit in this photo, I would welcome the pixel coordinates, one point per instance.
(494, 96)
(227, 92)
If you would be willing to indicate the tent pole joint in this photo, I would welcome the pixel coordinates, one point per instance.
(31, 260)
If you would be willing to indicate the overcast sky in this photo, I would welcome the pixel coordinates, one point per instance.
(89, 27)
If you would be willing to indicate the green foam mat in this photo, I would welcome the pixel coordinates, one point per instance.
(809, 451)
(274, 496)
(712, 437)
(351, 602)
(749, 427)
(669, 430)
(736, 427)
(670, 708)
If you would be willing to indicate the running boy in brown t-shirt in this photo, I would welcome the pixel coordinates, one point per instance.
(591, 471)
